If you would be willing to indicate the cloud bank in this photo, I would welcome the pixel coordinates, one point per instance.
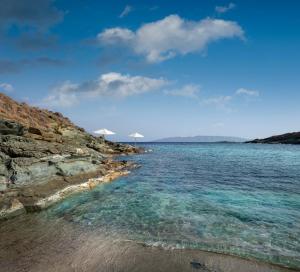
(171, 36)
(107, 85)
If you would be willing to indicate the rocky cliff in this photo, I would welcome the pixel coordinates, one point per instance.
(287, 138)
(45, 157)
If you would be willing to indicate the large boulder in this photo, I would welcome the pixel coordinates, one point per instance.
(11, 128)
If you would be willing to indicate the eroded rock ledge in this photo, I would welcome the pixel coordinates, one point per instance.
(44, 158)
(21, 199)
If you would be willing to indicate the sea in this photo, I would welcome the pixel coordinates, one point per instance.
(231, 198)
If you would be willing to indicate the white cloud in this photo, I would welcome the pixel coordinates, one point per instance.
(218, 101)
(109, 85)
(6, 87)
(171, 36)
(189, 90)
(117, 35)
(223, 101)
(126, 11)
(64, 95)
(223, 9)
(243, 91)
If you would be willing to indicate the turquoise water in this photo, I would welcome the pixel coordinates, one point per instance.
(239, 199)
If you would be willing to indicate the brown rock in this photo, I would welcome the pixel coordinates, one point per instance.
(49, 156)
(34, 130)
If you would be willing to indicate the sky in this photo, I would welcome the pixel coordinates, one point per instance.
(160, 68)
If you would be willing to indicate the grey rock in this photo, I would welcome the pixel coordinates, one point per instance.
(11, 128)
(34, 166)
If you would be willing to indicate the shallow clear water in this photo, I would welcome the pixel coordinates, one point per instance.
(239, 199)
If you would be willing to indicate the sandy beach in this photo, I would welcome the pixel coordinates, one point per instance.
(149, 136)
(31, 243)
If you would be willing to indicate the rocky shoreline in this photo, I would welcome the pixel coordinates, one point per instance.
(44, 158)
(287, 138)
(19, 200)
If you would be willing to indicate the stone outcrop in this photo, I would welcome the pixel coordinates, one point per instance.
(287, 138)
(43, 155)
(11, 128)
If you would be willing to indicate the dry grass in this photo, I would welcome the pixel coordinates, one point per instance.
(28, 116)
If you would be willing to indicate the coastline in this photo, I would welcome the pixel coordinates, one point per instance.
(44, 158)
(45, 161)
(46, 202)
(64, 246)
(22, 201)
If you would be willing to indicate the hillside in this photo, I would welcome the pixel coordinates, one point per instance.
(287, 138)
(34, 117)
(42, 154)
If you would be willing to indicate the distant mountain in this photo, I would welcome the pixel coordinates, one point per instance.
(201, 139)
(287, 138)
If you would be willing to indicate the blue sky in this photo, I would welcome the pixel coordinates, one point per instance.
(162, 68)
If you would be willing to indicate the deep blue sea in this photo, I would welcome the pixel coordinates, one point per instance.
(240, 199)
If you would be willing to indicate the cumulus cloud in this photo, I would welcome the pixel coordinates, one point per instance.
(243, 91)
(171, 36)
(64, 95)
(189, 90)
(6, 87)
(125, 11)
(107, 85)
(224, 9)
(117, 35)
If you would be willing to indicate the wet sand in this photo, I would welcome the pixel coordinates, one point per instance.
(33, 243)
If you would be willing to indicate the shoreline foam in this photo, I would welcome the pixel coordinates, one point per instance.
(64, 246)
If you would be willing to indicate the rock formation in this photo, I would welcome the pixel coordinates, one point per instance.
(43, 154)
(287, 138)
